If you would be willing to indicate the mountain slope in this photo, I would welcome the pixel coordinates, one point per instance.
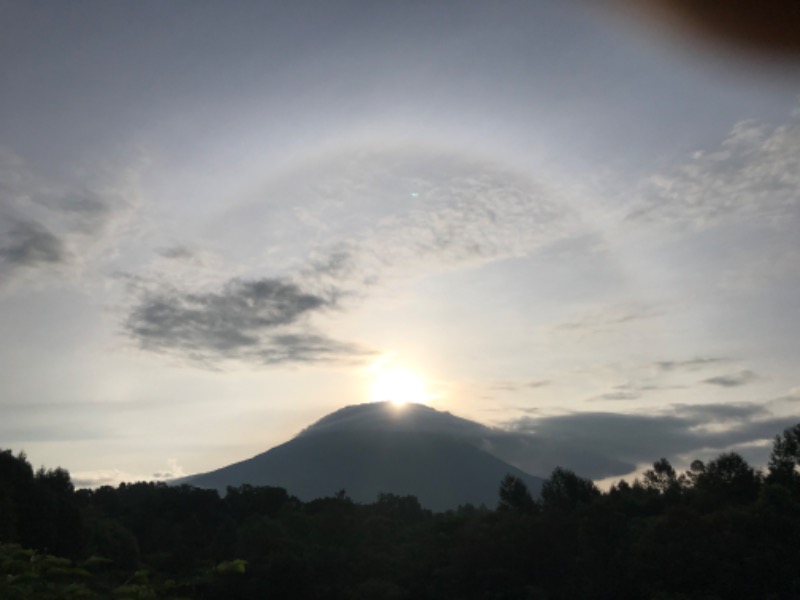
(373, 448)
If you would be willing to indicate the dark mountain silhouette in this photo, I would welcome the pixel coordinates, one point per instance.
(372, 448)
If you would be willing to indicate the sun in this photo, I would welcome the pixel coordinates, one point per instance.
(396, 384)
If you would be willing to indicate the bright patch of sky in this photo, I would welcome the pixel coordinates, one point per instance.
(214, 217)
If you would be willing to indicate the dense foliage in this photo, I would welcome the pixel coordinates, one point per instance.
(720, 530)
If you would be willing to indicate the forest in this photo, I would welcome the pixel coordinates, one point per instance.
(720, 530)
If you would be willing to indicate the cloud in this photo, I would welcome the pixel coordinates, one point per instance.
(175, 471)
(113, 477)
(84, 210)
(689, 365)
(648, 387)
(754, 173)
(720, 413)
(504, 386)
(600, 444)
(634, 390)
(347, 221)
(621, 395)
(262, 321)
(176, 252)
(538, 384)
(514, 386)
(59, 226)
(603, 444)
(96, 479)
(336, 264)
(732, 380)
(787, 401)
(29, 244)
(368, 212)
(608, 319)
(308, 348)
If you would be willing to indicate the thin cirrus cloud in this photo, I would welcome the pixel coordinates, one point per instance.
(57, 227)
(618, 396)
(732, 379)
(29, 243)
(361, 217)
(380, 212)
(262, 321)
(518, 386)
(754, 172)
(178, 252)
(693, 364)
(609, 318)
(659, 376)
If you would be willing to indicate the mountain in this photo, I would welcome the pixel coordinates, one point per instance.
(379, 447)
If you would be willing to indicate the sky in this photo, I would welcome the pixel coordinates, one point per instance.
(221, 221)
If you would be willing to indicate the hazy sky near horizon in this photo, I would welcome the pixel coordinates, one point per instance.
(214, 217)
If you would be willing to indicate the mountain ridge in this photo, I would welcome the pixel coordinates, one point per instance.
(368, 449)
(389, 416)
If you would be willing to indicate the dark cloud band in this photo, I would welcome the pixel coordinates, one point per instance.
(30, 244)
(733, 379)
(600, 444)
(260, 320)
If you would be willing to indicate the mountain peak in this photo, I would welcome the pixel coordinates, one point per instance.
(387, 416)
(368, 449)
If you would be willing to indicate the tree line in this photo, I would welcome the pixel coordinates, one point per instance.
(719, 530)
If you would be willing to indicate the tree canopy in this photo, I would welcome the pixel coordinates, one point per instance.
(721, 529)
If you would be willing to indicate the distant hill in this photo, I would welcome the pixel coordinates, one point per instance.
(372, 448)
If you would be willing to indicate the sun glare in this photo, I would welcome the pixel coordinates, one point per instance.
(396, 384)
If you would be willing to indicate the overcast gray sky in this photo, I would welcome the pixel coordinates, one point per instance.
(220, 221)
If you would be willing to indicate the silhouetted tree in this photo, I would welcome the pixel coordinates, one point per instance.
(59, 508)
(16, 494)
(403, 508)
(565, 490)
(661, 477)
(728, 479)
(696, 469)
(784, 459)
(247, 499)
(514, 495)
(41, 510)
